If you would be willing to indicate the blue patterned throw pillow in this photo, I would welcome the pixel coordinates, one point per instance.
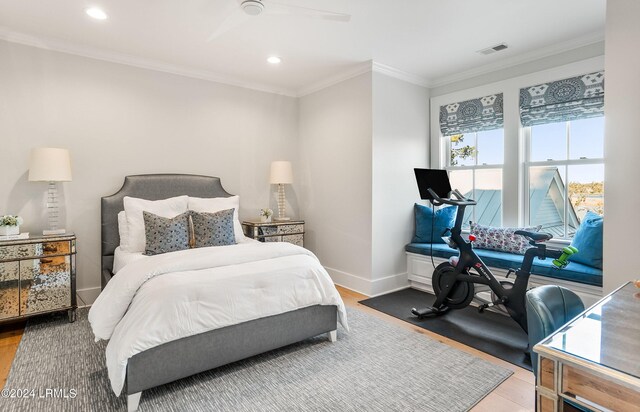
(163, 235)
(426, 220)
(213, 229)
(588, 241)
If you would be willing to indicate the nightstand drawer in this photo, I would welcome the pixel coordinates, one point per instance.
(267, 231)
(287, 229)
(32, 250)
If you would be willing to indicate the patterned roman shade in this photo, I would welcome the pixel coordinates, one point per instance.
(472, 115)
(575, 98)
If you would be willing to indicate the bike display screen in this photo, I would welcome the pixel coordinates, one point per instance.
(434, 179)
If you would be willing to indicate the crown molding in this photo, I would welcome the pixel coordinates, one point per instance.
(357, 69)
(62, 46)
(400, 75)
(366, 67)
(519, 59)
(354, 71)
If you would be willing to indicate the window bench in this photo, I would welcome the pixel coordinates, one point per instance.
(584, 280)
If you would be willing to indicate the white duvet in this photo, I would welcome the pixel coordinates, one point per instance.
(171, 296)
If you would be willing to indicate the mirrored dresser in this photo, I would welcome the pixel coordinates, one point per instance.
(38, 275)
(291, 231)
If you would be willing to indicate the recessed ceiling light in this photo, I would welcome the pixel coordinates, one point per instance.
(274, 59)
(96, 13)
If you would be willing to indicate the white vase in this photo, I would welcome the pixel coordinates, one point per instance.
(265, 219)
(9, 230)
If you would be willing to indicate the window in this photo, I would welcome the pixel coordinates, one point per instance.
(474, 142)
(546, 167)
(475, 168)
(565, 173)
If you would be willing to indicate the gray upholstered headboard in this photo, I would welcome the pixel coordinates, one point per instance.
(150, 187)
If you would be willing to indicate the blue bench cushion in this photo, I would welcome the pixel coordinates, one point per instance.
(574, 272)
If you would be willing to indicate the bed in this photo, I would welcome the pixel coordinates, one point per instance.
(190, 355)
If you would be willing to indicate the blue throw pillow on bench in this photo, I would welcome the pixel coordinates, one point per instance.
(588, 241)
(444, 218)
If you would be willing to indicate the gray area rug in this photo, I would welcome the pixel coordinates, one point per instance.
(376, 367)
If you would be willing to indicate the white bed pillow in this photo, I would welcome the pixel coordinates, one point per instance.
(123, 230)
(122, 258)
(134, 207)
(216, 204)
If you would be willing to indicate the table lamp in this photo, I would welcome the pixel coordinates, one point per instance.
(52, 165)
(281, 174)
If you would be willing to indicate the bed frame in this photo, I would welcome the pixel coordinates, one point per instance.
(194, 354)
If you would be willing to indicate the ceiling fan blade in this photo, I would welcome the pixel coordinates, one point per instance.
(279, 8)
(234, 18)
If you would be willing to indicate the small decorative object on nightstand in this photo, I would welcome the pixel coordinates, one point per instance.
(291, 231)
(265, 215)
(38, 275)
(10, 225)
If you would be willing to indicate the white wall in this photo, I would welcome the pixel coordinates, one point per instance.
(335, 175)
(359, 142)
(622, 147)
(119, 120)
(400, 143)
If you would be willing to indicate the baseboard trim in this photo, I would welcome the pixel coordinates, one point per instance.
(88, 295)
(369, 287)
(388, 284)
(349, 281)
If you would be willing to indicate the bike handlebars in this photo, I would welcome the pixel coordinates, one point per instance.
(460, 201)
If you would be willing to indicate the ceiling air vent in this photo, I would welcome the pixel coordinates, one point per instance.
(493, 49)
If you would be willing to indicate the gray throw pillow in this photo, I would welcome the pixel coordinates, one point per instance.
(165, 235)
(213, 229)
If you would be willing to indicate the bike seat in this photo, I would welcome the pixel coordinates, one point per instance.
(534, 236)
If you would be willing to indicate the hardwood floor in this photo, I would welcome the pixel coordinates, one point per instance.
(10, 335)
(514, 395)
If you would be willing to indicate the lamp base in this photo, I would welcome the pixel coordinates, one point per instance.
(281, 219)
(49, 232)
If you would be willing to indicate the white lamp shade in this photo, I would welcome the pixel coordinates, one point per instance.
(281, 172)
(48, 164)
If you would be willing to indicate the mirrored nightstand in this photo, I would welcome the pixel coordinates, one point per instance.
(291, 231)
(38, 275)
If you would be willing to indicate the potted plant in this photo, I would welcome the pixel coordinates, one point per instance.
(10, 225)
(265, 215)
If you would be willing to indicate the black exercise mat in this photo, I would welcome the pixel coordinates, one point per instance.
(492, 333)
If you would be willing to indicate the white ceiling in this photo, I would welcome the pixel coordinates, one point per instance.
(427, 39)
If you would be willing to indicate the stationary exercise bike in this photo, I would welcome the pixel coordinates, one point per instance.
(454, 281)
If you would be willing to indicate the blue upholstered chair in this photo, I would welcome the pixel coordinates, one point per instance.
(548, 308)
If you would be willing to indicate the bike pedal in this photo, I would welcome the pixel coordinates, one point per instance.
(421, 313)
